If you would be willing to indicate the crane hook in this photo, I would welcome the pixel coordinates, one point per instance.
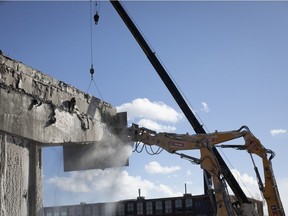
(92, 71)
(96, 18)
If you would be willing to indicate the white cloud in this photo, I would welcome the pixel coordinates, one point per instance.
(205, 107)
(69, 184)
(152, 125)
(283, 190)
(277, 132)
(250, 187)
(168, 190)
(189, 173)
(143, 108)
(154, 167)
(114, 184)
(248, 184)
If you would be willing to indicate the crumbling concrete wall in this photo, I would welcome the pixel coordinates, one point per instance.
(20, 176)
(37, 110)
(51, 108)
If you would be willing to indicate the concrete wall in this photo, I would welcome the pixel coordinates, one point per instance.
(37, 110)
(29, 97)
(20, 177)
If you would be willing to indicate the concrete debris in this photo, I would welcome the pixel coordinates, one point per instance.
(84, 121)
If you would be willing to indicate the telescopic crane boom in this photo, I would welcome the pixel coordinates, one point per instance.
(242, 198)
(270, 190)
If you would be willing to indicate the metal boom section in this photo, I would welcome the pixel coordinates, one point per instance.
(178, 98)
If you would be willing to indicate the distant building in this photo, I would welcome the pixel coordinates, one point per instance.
(181, 206)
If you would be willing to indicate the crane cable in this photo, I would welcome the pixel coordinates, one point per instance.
(96, 19)
(237, 175)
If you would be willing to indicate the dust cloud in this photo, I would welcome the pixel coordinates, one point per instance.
(110, 151)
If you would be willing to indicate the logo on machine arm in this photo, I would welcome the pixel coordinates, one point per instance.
(254, 145)
(177, 144)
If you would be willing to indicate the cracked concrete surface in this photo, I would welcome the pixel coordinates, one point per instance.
(35, 99)
(37, 110)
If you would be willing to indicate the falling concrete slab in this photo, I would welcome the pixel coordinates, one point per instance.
(35, 111)
(112, 150)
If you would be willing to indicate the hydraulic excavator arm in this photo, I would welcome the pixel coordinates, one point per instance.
(269, 188)
(172, 143)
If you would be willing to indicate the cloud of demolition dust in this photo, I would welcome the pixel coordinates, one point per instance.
(109, 151)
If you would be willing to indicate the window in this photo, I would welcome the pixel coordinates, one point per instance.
(168, 206)
(56, 213)
(158, 207)
(63, 213)
(102, 209)
(49, 214)
(178, 205)
(140, 208)
(189, 205)
(79, 210)
(149, 208)
(198, 204)
(71, 211)
(96, 210)
(121, 209)
(87, 211)
(130, 209)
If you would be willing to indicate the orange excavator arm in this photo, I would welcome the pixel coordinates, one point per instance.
(172, 143)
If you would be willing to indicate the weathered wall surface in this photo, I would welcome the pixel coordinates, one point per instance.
(37, 110)
(38, 107)
(20, 177)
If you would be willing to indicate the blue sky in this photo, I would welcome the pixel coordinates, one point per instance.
(230, 60)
